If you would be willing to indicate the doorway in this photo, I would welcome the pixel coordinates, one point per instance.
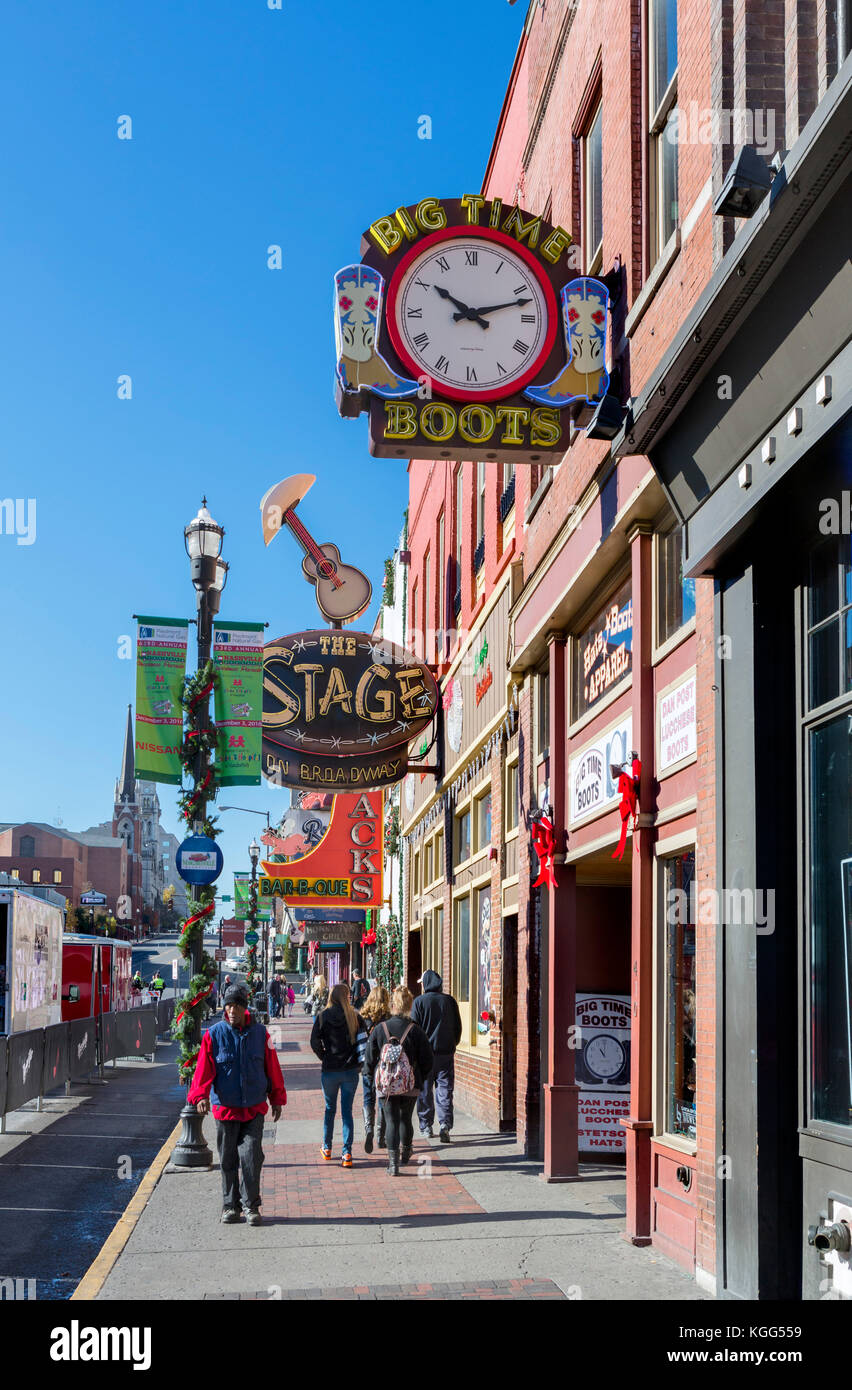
(509, 1025)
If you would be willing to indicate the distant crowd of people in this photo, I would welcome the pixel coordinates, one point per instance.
(401, 1048)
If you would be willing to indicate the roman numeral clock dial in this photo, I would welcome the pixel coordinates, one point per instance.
(472, 312)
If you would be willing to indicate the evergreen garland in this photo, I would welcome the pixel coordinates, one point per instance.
(195, 697)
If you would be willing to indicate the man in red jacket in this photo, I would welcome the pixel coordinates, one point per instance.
(238, 1068)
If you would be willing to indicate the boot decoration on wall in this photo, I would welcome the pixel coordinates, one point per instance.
(357, 309)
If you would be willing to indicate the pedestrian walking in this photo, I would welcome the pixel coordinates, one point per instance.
(275, 997)
(237, 1070)
(399, 1058)
(334, 1039)
(438, 1015)
(375, 1011)
(291, 999)
(360, 990)
(319, 995)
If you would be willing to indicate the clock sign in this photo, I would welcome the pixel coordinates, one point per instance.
(470, 308)
(465, 332)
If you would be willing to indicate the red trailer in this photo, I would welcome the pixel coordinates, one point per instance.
(96, 973)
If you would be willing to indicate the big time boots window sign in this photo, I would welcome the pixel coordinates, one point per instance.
(465, 332)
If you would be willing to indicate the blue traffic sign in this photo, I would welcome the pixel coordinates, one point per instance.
(199, 860)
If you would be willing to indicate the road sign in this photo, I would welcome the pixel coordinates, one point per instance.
(252, 938)
(199, 860)
(220, 953)
(175, 968)
(225, 898)
(93, 899)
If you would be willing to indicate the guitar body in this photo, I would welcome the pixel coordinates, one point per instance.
(343, 592)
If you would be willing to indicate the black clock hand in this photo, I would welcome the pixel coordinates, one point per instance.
(466, 313)
(492, 308)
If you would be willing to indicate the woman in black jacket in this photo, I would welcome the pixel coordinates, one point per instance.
(415, 1044)
(334, 1039)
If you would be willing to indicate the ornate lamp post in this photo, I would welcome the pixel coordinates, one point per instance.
(203, 540)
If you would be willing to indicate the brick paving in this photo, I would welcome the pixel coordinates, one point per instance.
(497, 1289)
(298, 1184)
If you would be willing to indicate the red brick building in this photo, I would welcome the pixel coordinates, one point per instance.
(66, 860)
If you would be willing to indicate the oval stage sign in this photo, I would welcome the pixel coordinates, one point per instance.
(347, 705)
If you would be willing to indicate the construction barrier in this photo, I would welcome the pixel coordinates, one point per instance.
(35, 1062)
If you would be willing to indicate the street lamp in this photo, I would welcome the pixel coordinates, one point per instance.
(203, 539)
(246, 808)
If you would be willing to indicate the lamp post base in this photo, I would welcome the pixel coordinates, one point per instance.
(192, 1149)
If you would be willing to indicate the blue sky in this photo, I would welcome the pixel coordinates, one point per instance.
(147, 257)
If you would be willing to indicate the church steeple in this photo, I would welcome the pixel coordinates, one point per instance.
(126, 786)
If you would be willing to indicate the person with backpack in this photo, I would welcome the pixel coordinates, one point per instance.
(438, 1015)
(359, 991)
(334, 1039)
(398, 1059)
(375, 1011)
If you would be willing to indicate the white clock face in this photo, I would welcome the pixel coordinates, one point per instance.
(604, 1056)
(471, 314)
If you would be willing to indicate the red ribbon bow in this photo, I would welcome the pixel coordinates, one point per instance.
(544, 844)
(628, 786)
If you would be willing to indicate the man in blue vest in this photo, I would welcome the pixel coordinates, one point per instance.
(237, 1069)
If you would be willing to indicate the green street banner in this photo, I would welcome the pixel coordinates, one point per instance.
(238, 657)
(242, 884)
(160, 668)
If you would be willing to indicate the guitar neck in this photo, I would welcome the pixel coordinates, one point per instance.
(309, 545)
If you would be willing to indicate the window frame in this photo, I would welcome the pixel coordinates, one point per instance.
(542, 712)
(657, 117)
(464, 812)
(479, 796)
(663, 645)
(513, 766)
(593, 256)
(664, 851)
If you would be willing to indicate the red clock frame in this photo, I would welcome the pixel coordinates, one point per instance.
(491, 234)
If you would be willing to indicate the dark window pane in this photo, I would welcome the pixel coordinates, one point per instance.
(462, 970)
(680, 997)
(831, 921)
(823, 599)
(824, 665)
(664, 40)
(594, 191)
(668, 179)
(847, 653)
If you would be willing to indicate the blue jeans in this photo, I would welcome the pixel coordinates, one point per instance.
(438, 1086)
(346, 1083)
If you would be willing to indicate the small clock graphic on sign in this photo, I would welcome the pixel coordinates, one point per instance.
(604, 1057)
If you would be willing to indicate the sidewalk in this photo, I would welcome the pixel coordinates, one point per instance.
(470, 1219)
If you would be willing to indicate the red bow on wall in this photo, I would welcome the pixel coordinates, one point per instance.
(544, 844)
(628, 786)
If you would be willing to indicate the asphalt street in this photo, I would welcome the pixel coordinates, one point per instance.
(68, 1173)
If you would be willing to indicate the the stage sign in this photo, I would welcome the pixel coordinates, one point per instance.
(340, 709)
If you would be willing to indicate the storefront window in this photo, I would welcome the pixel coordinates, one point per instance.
(483, 821)
(831, 920)
(438, 940)
(427, 864)
(543, 712)
(461, 952)
(680, 996)
(512, 798)
(830, 621)
(675, 595)
(483, 993)
(463, 837)
(603, 654)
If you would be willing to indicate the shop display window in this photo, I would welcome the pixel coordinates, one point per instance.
(461, 951)
(680, 1078)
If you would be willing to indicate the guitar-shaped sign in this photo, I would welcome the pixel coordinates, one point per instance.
(342, 592)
